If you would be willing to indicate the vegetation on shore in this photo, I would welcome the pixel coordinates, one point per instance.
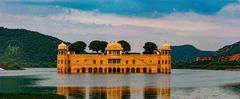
(30, 96)
(22, 48)
(211, 65)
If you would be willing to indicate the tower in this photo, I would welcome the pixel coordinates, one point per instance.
(62, 59)
(114, 48)
(166, 58)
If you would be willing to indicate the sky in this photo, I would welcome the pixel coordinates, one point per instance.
(206, 24)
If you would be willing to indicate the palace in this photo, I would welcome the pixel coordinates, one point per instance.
(114, 61)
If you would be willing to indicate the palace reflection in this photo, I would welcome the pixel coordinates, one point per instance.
(160, 90)
(114, 93)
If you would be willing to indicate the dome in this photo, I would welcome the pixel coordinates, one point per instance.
(62, 46)
(114, 46)
(166, 46)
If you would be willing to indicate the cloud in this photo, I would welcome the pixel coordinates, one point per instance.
(208, 32)
(232, 10)
(139, 8)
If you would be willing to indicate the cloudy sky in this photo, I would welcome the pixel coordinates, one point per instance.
(206, 24)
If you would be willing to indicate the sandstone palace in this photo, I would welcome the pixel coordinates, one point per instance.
(113, 60)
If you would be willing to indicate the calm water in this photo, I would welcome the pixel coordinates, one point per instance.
(181, 84)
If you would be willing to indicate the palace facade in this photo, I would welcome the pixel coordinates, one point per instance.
(114, 61)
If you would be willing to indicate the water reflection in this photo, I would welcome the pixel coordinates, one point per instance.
(114, 92)
(156, 88)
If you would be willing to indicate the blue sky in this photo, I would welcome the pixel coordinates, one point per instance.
(207, 24)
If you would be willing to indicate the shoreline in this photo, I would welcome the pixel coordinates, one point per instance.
(30, 96)
(1, 69)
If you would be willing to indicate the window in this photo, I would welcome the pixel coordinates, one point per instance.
(134, 61)
(85, 60)
(162, 61)
(159, 62)
(101, 61)
(77, 61)
(150, 61)
(126, 61)
(94, 61)
(65, 62)
(114, 61)
(61, 61)
(68, 61)
(165, 61)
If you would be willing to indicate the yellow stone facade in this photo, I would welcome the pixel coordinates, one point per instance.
(114, 61)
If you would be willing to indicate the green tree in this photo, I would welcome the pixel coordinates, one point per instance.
(149, 47)
(126, 46)
(78, 47)
(95, 46)
(103, 46)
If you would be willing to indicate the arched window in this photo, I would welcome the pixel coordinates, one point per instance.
(134, 61)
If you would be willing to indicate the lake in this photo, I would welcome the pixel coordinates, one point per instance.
(181, 84)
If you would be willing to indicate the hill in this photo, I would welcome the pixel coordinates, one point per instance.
(20, 47)
(187, 53)
(228, 50)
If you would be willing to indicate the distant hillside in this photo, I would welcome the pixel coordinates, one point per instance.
(187, 53)
(27, 48)
(228, 50)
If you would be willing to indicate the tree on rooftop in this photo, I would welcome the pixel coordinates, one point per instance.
(126, 46)
(103, 46)
(78, 47)
(149, 47)
(95, 45)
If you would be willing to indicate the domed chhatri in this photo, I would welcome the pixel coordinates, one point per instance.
(62, 46)
(113, 60)
(114, 46)
(166, 46)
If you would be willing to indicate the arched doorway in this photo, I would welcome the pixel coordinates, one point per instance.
(78, 70)
(95, 70)
(110, 70)
(83, 70)
(118, 70)
(138, 70)
(89, 70)
(133, 70)
(100, 70)
(145, 70)
(159, 70)
(69, 70)
(150, 70)
(114, 70)
(122, 70)
(127, 70)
